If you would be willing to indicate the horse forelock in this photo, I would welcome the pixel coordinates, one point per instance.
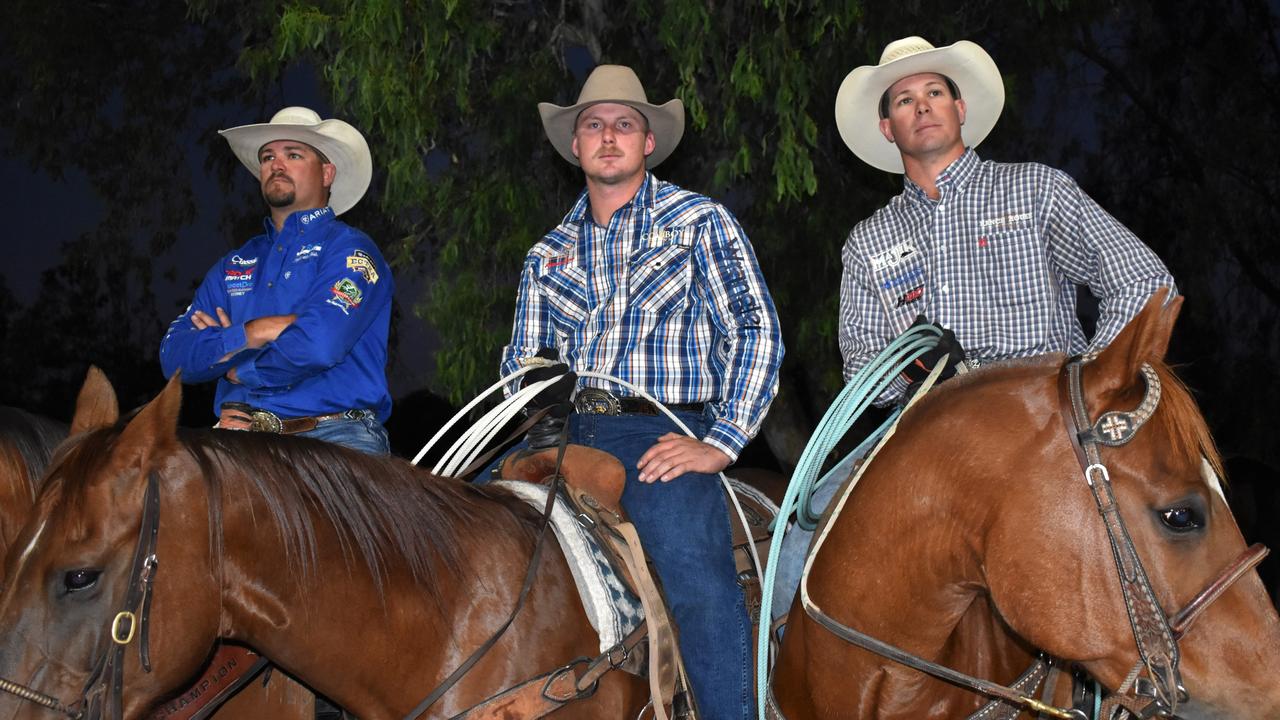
(381, 509)
(29, 439)
(1186, 429)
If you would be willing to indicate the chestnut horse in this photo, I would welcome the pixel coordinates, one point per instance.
(27, 444)
(973, 541)
(365, 578)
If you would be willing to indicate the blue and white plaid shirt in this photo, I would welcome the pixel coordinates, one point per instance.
(668, 297)
(996, 259)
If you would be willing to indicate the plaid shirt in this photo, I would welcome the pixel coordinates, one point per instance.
(668, 297)
(996, 259)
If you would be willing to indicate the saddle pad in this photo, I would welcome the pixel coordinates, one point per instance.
(613, 610)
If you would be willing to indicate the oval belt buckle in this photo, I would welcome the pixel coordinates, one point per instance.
(594, 401)
(266, 421)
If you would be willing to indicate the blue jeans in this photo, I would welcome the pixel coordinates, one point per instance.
(684, 526)
(795, 543)
(365, 434)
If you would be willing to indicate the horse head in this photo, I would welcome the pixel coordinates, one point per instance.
(85, 602)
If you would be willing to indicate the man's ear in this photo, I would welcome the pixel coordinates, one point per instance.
(886, 130)
(574, 146)
(649, 143)
(330, 172)
(961, 109)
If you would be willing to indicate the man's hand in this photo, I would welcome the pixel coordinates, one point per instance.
(203, 320)
(260, 331)
(675, 454)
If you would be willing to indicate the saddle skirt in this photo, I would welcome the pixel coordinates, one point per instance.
(613, 609)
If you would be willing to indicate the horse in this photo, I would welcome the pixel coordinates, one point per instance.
(369, 580)
(977, 538)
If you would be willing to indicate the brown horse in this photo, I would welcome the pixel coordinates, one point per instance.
(972, 540)
(367, 579)
(27, 444)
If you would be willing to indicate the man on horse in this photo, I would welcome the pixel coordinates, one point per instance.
(993, 252)
(659, 287)
(293, 325)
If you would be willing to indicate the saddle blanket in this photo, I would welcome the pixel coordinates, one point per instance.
(614, 610)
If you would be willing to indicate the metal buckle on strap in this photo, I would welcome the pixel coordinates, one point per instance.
(265, 421)
(594, 401)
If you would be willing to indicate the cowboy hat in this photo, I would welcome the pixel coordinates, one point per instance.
(342, 144)
(615, 84)
(967, 65)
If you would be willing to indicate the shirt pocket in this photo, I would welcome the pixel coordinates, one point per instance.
(660, 278)
(1014, 268)
(565, 288)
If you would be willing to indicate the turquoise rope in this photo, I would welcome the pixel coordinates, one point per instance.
(848, 406)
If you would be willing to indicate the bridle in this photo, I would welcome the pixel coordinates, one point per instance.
(106, 682)
(1156, 636)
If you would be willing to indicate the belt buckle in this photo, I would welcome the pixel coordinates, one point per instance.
(594, 401)
(266, 421)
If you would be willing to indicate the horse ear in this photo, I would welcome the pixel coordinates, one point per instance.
(157, 422)
(1144, 340)
(96, 405)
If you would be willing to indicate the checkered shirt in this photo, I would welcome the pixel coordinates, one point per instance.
(668, 297)
(996, 259)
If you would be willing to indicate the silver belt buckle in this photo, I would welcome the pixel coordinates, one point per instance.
(594, 401)
(266, 421)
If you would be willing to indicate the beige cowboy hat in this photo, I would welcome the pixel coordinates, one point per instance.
(615, 84)
(858, 102)
(342, 144)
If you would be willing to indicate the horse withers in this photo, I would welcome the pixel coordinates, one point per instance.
(363, 577)
(974, 541)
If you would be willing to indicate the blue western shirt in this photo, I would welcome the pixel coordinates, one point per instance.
(668, 297)
(332, 358)
(996, 258)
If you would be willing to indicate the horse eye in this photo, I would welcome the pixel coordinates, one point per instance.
(1181, 519)
(82, 579)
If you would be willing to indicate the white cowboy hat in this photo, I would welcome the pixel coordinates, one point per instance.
(615, 84)
(858, 102)
(342, 144)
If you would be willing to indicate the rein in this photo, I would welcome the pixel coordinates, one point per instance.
(1156, 636)
(108, 673)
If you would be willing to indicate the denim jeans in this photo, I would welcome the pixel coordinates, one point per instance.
(365, 434)
(684, 526)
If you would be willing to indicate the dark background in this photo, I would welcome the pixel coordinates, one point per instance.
(118, 195)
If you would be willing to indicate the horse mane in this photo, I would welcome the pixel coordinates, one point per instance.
(379, 507)
(31, 439)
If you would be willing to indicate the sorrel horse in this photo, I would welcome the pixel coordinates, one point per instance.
(367, 579)
(973, 541)
(27, 444)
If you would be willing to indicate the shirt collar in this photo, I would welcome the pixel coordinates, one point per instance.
(952, 178)
(645, 198)
(300, 219)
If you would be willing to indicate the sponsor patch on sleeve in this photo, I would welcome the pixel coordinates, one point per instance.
(362, 263)
(346, 295)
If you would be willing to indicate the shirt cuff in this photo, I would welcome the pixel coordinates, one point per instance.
(726, 437)
(233, 339)
(247, 374)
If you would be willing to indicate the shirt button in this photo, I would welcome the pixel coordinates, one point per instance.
(944, 289)
(270, 284)
(279, 248)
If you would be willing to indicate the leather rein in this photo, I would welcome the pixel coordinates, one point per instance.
(1155, 635)
(106, 682)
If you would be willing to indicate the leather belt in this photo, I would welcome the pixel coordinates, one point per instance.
(594, 401)
(266, 421)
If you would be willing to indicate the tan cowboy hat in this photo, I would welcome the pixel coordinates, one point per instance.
(342, 144)
(858, 102)
(615, 84)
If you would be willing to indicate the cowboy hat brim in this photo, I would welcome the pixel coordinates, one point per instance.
(340, 142)
(858, 101)
(666, 122)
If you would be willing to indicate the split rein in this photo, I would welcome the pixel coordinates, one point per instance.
(1155, 635)
(133, 619)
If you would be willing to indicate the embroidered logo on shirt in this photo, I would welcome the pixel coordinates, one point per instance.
(314, 215)
(346, 295)
(907, 277)
(895, 255)
(667, 235)
(238, 282)
(307, 252)
(558, 261)
(1004, 221)
(237, 260)
(910, 296)
(360, 261)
